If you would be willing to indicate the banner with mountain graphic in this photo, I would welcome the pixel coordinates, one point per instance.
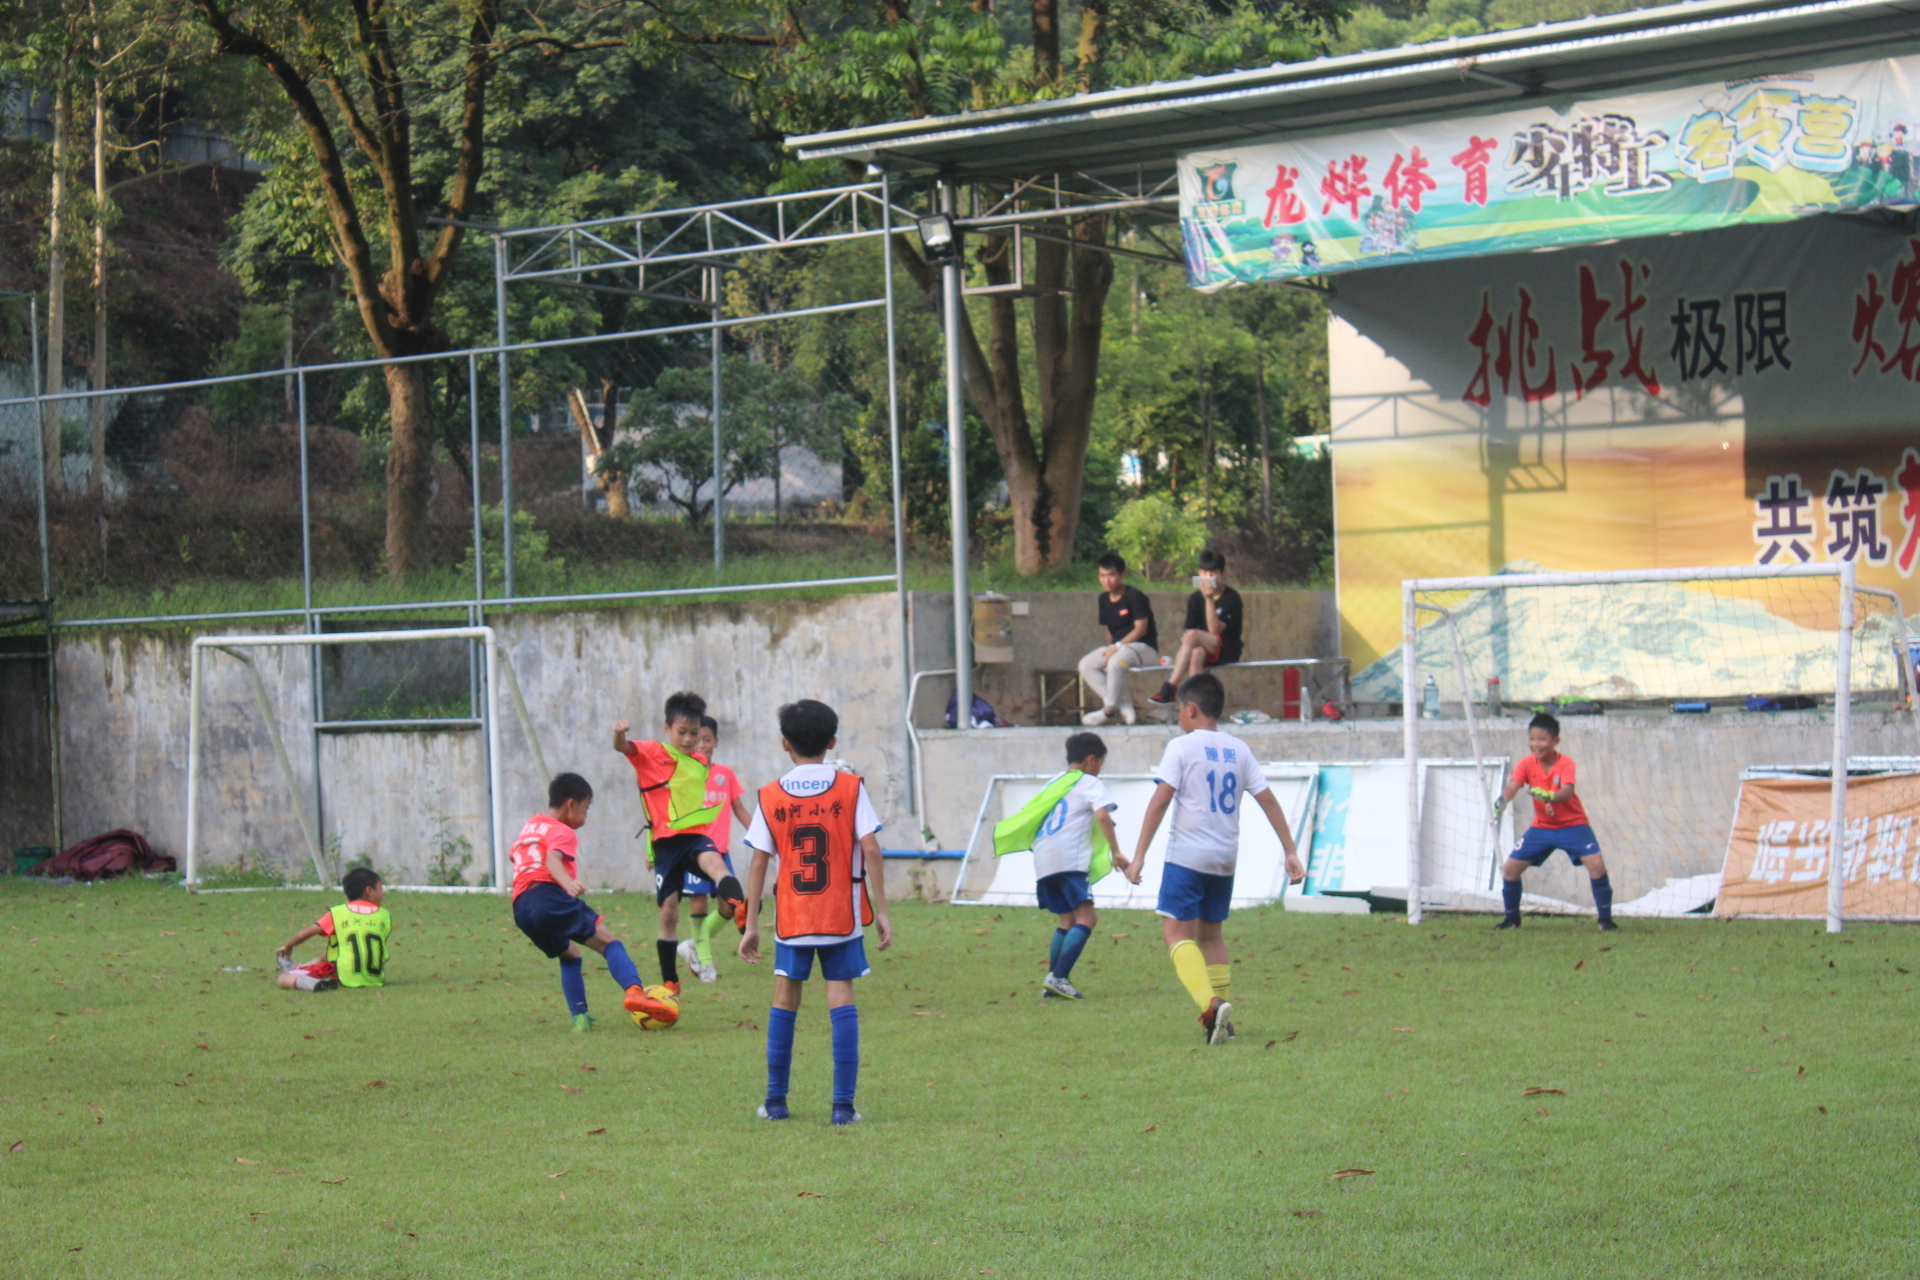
(1762, 149)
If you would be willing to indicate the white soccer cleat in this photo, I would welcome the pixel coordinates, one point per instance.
(1094, 719)
(689, 954)
(1061, 987)
(1220, 1027)
(705, 972)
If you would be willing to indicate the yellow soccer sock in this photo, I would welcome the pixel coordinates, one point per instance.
(1191, 967)
(1221, 976)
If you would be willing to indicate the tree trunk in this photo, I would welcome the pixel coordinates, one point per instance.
(56, 292)
(776, 482)
(613, 484)
(409, 469)
(1266, 443)
(97, 407)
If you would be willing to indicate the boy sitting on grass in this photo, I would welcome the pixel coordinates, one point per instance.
(1069, 827)
(548, 908)
(1204, 775)
(1559, 822)
(673, 786)
(820, 824)
(356, 933)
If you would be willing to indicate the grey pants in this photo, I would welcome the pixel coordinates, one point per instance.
(1107, 675)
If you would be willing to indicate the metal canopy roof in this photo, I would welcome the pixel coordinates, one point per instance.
(1140, 130)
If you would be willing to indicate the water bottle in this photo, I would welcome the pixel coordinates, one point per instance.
(1493, 695)
(1430, 700)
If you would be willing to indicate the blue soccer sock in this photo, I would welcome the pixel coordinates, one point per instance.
(1510, 894)
(780, 1023)
(621, 965)
(1603, 896)
(846, 1053)
(1053, 950)
(573, 985)
(1070, 949)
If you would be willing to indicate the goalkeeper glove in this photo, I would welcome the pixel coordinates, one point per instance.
(1541, 793)
(1499, 807)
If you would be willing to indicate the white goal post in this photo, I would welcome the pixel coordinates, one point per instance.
(496, 667)
(1664, 638)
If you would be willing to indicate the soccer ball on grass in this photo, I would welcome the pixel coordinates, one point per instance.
(648, 1022)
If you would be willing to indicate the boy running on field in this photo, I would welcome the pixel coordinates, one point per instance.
(1204, 775)
(723, 793)
(673, 786)
(1069, 827)
(820, 824)
(549, 909)
(1559, 822)
(356, 933)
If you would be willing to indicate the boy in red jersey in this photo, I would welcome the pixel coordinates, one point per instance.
(549, 909)
(820, 824)
(1559, 822)
(725, 794)
(673, 787)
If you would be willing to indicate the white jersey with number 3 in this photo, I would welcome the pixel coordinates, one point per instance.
(1210, 773)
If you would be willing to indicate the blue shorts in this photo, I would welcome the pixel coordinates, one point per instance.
(1538, 844)
(674, 859)
(554, 919)
(695, 883)
(840, 962)
(1062, 892)
(1186, 894)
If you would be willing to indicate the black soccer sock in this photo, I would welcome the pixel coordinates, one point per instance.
(1510, 894)
(1603, 896)
(669, 958)
(729, 892)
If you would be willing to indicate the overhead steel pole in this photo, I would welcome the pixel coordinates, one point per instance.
(952, 281)
(719, 454)
(899, 516)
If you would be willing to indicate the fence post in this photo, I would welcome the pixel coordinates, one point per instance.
(1410, 724)
(952, 282)
(1842, 749)
(719, 453)
(506, 416)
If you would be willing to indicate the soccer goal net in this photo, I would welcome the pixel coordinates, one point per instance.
(212, 698)
(1693, 701)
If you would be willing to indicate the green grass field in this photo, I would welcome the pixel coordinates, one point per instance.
(1732, 1100)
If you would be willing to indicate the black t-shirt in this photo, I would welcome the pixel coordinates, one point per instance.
(1227, 609)
(1119, 617)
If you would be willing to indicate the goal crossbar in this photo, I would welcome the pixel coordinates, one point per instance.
(1845, 576)
(496, 666)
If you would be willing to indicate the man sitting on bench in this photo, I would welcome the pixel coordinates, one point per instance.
(1212, 634)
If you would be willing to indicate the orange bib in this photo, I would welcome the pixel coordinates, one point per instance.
(821, 894)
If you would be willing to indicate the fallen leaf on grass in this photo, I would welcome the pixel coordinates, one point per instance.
(201, 1045)
(1400, 1028)
(570, 1088)
(1269, 1044)
(817, 1195)
(561, 1174)
(1352, 1173)
(75, 1248)
(1536, 1089)
(254, 1215)
(594, 1133)
(244, 1160)
(1541, 1112)
(585, 1067)
(923, 1013)
(1581, 965)
(1821, 1110)
(1306, 1213)
(1290, 1037)
(331, 1182)
(374, 1084)
(1150, 1128)
(1354, 992)
(1802, 1071)
(16, 1148)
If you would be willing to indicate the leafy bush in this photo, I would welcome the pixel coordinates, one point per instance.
(1156, 534)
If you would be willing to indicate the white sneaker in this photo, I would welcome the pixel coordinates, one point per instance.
(1094, 718)
(1128, 715)
(689, 954)
(705, 972)
(1061, 987)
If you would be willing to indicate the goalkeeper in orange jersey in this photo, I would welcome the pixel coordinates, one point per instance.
(1559, 822)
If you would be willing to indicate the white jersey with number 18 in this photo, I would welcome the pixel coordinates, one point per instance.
(1210, 773)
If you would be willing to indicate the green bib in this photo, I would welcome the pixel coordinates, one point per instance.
(1017, 832)
(358, 947)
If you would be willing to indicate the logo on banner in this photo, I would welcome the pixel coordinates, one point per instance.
(1216, 193)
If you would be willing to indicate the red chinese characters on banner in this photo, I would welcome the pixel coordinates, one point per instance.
(1345, 183)
(1596, 358)
(1513, 344)
(1631, 306)
(1599, 360)
(1903, 290)
(1408, 180)
(1472, 164)
(1908, 478)
(1283, 202)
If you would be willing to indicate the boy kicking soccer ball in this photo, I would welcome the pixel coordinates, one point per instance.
(549, 909)
(1559, 822)
(820, 824)
(723, 793)
(1204, 776)
(1069, 827)
(673, 779)
(356, 933)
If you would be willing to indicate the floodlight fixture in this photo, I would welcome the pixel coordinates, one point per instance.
(939, 239)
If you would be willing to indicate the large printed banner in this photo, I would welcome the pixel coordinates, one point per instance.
(1747, 396)
(1684, 159)
(1777, 856)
